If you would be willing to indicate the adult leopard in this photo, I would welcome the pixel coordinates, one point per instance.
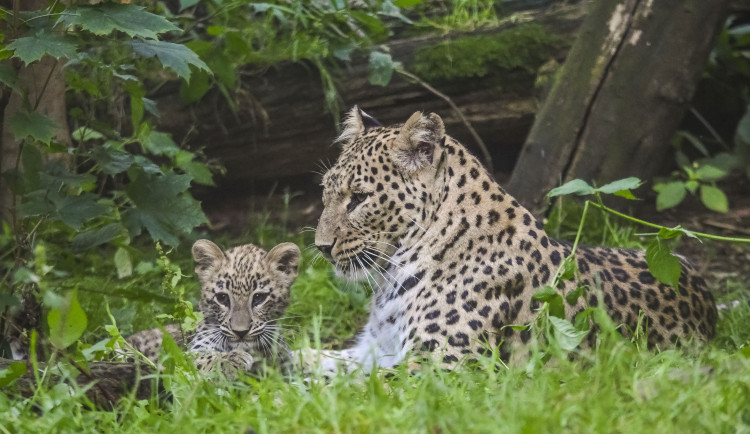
(454, 259)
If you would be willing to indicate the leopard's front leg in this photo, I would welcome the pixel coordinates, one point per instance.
(324, 362)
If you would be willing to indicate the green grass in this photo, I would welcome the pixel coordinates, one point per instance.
(616, 388)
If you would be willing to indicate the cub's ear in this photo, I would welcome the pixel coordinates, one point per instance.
(283, 261)
(356, 123)
(414, 148)
(208, 258)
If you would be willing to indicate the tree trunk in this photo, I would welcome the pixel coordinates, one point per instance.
(621, 94)
(44, 82)
(109, 382)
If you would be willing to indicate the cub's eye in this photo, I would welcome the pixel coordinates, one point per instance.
(223, 298)
(259, 298)
(357, 198)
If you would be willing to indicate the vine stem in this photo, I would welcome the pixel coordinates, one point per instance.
(655, 226)
(560, 269)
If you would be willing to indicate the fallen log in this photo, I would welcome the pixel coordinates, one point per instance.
(282, 129)
(109, 381)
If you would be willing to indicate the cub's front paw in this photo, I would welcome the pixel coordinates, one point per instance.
(240, 360)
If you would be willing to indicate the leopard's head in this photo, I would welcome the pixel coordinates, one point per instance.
(380, 190)
(244, 292)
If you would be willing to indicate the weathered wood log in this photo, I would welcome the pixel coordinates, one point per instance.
(109, 381)
(620, 96)
(282, 129)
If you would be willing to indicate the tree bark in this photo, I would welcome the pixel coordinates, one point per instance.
(621, 94)
(109, 382)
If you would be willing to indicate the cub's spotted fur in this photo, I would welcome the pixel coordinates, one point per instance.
(455, 259)
(243, 293)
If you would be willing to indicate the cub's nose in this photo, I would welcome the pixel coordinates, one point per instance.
(241, 333)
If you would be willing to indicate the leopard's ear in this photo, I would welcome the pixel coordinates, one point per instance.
(283, 262)
(414, 148)
(208, 258)
(355, 123)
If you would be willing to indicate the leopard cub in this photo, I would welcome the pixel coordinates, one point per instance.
(244, 291)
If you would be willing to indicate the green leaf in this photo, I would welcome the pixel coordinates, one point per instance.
(32, 48)
(13, 371)
(98, 350)
(66, 325)
(105, 18)
(381, 68)
(122, 263)
(627, 194)
(89, 239)
(32, 124)
(724, 161)
(136, 92)
(36, 203)
(76, 210)
(177, 57)
(576, 186)
(714, 199)
(388, 9)
(549, 295)
(670, 194)
(573, 296)
(569, 268)
(622, 184)
(24, 275)
(184, 4)
(197, 87)
(83, 134)
(372, 22)
(8, 75)
(662, 264)
(406, 3)
(710, 173)
(582, 319)
(621, 187)
(566, 334)
(198, 171)
(162, 206)
(7, 300)
(175, 357)
(667, 234)
(692, 186)
(158, 143)
(110, 160)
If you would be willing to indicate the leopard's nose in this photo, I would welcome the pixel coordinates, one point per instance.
(241, 333)
(326, 249)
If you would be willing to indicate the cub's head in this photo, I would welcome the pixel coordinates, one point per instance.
(381, 189)
(243, 292)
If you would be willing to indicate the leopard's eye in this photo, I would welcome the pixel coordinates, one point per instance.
(259, 298)
(223, 298)
(357, 198)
